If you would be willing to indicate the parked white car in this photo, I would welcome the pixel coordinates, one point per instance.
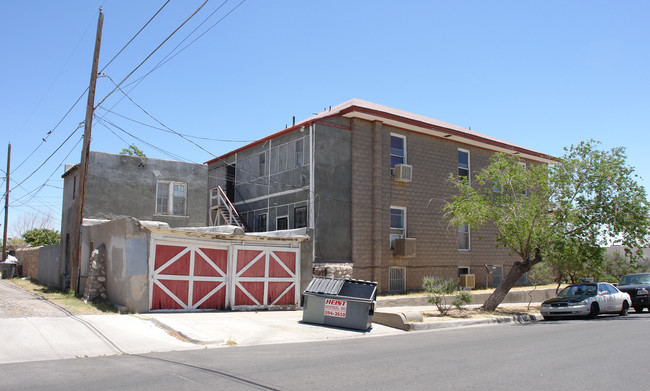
(587, 300)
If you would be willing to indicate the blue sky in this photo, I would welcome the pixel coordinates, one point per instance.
(541, 74)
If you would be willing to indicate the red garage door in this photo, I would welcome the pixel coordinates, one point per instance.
(188, 277)
(265, 277)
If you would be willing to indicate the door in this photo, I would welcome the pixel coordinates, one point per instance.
(187, 276)
(230, 182)
(265, 277)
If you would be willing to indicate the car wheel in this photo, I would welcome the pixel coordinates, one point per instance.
(638, 309)
(593, 312)
(624, 309)
(547, 317)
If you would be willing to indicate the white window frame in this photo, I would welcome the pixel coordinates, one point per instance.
(277, 218)
(170, 199)
(392, 231)
(469, 237)
(469, 270)
(469, 164)
(404, 157)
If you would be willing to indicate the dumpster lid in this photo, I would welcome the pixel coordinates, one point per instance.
(343, 287)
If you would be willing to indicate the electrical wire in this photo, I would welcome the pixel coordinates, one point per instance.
(48, 158)
(174, 132)
(86, 90)
(104, 123)
(152, 53)
(170, 56)
(135, 36)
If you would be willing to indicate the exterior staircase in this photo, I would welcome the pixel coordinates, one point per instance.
(222, 212)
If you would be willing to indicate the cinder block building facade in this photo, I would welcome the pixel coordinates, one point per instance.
(369, 182)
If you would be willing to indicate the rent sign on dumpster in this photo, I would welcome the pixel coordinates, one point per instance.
(335, 308)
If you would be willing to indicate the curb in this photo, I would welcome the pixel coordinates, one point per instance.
(409, 322)
(187, 333)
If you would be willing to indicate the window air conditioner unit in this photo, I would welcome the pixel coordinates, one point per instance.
(403, 173)
(404, 247)
(468, 281)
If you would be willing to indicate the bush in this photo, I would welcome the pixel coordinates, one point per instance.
(462, 299)
(438, 290)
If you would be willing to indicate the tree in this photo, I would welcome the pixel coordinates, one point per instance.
(568, 208)
(31, 220)
(41, 237)
(132, 150)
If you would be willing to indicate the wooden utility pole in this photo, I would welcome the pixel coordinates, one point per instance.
(83, 168)
(4, 235)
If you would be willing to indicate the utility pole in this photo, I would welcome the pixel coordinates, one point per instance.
(83, 167)
(4, 235)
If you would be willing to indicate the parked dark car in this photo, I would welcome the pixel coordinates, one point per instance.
(637, 286)
(586, 300)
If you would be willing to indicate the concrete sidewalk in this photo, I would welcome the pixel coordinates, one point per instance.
(61, 337)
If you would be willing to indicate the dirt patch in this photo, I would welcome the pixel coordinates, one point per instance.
(475, 313)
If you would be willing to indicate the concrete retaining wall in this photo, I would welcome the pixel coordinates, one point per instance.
(517, 296)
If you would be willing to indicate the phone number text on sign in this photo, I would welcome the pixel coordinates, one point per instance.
(335, 308)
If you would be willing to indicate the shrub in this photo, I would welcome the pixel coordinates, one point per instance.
(438, 290)
(462, 299)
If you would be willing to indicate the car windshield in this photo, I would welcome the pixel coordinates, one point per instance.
(579, 290)
(635, 279)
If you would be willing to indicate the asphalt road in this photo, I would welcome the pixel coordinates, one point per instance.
(603, 354)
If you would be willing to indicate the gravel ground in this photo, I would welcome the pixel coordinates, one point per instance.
(17, 303)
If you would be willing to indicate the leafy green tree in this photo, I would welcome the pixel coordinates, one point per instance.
(41, 237)
(132, 150)
(552, 211)
(617, 265)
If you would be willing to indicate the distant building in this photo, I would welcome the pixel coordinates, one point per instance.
(369, 182)
(148, 189)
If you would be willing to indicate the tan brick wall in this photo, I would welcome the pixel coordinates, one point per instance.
(374, 192)
(28, 257)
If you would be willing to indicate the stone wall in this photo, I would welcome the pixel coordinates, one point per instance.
(28, 258)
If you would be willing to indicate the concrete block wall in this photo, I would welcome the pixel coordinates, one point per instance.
(374, 192)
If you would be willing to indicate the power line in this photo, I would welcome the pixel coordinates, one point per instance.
(134, 37)
(175, 132)
(48, 158)
(152, 53)
(103, 122)
(169, 56)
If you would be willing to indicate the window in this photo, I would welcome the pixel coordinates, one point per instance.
(74, 187)
(396, 279)
(463, 163)
(282, 223)
(397, 224)
(261, 164)
(300, 217)
(463, 270)
(170, 198)
(261, 223)
(463, 237)
(497, 275)
(397, 150)
(300, 156)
